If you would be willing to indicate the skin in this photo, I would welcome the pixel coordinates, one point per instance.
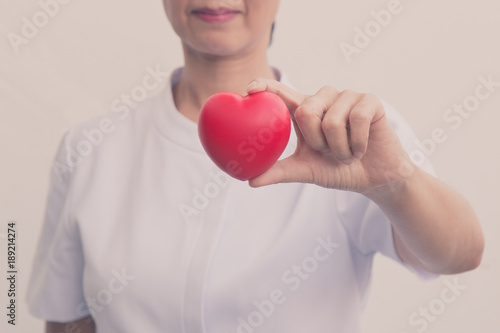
(435, 229)
(84, 325)
(344, 140)
(220, 57)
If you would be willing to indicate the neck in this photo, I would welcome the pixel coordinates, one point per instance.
(205, 75)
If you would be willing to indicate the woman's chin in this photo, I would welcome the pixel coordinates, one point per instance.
(218, 50)
(218, 44)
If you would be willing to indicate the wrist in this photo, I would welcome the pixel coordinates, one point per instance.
(396, 191)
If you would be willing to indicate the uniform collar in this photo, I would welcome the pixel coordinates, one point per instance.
(173, 125)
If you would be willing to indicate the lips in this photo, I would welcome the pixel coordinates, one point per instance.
(218, 15)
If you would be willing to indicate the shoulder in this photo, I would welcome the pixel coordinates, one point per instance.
(106, 136)
(122, 116)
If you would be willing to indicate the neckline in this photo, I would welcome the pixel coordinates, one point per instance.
(176, 127)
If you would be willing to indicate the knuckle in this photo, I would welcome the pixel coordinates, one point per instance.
(332, 124)
(329, 90)
(303, 113)
(315, 104)
(310, 108)
(371, 97)
(348, 92)
(359, 117)
(370, 100)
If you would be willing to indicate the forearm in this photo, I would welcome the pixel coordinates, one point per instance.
(84, 325)
(435, 228)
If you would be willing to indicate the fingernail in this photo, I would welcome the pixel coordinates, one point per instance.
(252, 85)
(345, 160)
(357, 155)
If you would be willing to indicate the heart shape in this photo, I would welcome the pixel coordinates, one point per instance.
(244, 136)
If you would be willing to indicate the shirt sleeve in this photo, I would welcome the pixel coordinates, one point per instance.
(55, 291)
(369, 229)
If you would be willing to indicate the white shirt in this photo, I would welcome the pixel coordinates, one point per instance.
(146, 234)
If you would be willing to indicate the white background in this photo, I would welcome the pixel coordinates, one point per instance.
(426, 59)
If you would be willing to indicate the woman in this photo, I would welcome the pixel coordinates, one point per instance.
(146, 234)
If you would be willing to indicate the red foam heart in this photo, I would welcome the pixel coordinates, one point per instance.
(244, 136)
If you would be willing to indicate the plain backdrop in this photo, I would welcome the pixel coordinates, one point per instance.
(426, 59)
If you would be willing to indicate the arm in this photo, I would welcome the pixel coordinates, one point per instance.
(434, 227)
(84, 325)
(345, 141)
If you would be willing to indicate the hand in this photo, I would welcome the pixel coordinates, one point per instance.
(344, 141)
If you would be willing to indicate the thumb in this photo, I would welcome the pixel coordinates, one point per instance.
(291, 97)
(287, 170)
(275, 174)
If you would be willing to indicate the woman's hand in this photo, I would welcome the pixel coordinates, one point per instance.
(344, 141)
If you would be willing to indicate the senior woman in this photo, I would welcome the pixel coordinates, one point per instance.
(145, 234)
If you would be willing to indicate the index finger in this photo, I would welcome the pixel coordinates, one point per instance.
(291, 97)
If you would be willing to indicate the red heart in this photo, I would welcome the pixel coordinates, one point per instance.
(244, 136)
